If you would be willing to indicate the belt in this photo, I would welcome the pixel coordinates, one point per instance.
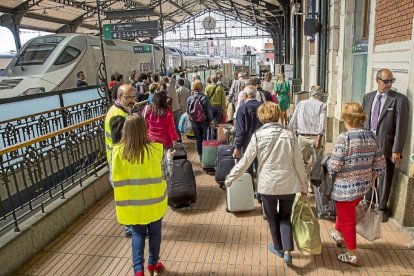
(305, 134)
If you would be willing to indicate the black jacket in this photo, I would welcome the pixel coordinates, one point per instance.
(247, 123)
(320, 177)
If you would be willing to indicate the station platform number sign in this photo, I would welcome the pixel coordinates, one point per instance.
(130, 30)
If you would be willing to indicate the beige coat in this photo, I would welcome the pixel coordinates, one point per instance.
(281, 170)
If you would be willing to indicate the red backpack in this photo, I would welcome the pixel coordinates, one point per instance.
(196, 110)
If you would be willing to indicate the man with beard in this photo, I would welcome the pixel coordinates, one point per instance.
(114, 122)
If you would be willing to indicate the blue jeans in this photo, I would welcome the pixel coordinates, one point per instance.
(200, 133)
(217, 116)
(138, 244)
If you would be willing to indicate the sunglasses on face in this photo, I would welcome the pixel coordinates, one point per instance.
(387, 81)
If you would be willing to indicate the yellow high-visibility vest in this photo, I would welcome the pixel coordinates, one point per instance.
(140, 189)
(112, 112)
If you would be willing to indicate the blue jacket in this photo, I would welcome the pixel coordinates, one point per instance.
(247, 123)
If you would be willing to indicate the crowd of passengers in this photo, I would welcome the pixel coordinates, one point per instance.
(279, 151)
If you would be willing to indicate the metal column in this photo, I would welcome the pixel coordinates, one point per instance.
(323, 38)
(297, 58)
(287, 32)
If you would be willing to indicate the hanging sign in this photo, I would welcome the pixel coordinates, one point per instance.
(130, 30)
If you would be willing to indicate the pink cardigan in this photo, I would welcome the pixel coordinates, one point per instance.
(161, 129)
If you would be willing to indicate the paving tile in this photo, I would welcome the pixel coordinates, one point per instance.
(207, 240)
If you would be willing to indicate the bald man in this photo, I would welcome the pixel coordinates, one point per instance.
(114, 122)
(388, 114)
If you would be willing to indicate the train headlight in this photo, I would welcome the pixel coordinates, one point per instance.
(33, 91)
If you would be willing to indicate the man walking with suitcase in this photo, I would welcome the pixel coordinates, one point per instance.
(308, 121)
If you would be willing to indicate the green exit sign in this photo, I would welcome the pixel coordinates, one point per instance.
(107, 31)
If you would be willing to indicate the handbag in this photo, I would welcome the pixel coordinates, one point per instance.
(369, 218)
(306, 229)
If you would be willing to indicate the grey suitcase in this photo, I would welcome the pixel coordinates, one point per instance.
(240, 195)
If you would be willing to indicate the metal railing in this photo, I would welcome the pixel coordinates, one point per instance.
(18, 130)
(34, 172)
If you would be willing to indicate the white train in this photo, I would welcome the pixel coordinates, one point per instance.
(51, 62)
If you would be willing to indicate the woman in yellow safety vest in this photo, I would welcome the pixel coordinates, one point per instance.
(140, 191)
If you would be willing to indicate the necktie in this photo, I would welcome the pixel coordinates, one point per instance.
(375, 114)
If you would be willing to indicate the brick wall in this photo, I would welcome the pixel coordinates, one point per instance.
(394, 21)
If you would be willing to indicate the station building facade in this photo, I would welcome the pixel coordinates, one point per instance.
(363, 36)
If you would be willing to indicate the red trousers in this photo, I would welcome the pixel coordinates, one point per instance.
(346, 221)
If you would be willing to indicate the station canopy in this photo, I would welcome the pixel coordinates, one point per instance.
(63, 16)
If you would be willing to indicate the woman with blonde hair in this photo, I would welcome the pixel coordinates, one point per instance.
(282, 91)
(356, 161)
(140, 191)
(280, 176)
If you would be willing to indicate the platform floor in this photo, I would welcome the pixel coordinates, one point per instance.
(209, 241)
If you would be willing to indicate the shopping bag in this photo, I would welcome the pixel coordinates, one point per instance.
(369, 218)
(306, 229)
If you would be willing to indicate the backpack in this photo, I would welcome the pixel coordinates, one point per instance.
(196, 110)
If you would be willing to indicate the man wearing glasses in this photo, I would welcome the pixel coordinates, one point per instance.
(388, 115)
(114, 122)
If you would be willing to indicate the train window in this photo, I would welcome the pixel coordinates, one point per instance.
(67, 55)
(35, 54)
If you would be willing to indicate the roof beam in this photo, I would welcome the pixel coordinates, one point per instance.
(234, 8)
(181, 8)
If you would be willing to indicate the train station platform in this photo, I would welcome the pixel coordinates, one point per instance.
(209, 241)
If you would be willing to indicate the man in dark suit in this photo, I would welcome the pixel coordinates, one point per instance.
(388, 114)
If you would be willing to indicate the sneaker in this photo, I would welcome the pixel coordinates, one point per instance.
(346, 258)
(272, 249)
(337, 238)
(155, 269)
(287, 259)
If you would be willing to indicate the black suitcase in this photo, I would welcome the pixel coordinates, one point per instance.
(325, 206)
(225, 162)
(180, 152)
(182, 191)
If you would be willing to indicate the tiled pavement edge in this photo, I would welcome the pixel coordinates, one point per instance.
(209, 241)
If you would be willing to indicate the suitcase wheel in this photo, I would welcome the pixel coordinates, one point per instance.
(222, 186)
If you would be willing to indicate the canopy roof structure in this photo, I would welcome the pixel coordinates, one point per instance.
(81, 16)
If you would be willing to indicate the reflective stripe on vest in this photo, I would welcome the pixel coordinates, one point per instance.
(142, 202)
(143, 181)
(140, 191)
(112, 112)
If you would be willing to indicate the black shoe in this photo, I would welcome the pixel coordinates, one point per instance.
(385, 216)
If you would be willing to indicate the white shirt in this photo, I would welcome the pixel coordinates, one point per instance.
(309, 117)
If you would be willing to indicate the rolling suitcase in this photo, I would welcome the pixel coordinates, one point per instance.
(182, 191)
(225, 162)
(240, 195)
(209, 155)
(180, 152)
(325, 206)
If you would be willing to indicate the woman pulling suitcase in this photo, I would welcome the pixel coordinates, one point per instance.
(280, 176)
(140, 191)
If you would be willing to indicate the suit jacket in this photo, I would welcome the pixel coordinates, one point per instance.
(393, 121)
